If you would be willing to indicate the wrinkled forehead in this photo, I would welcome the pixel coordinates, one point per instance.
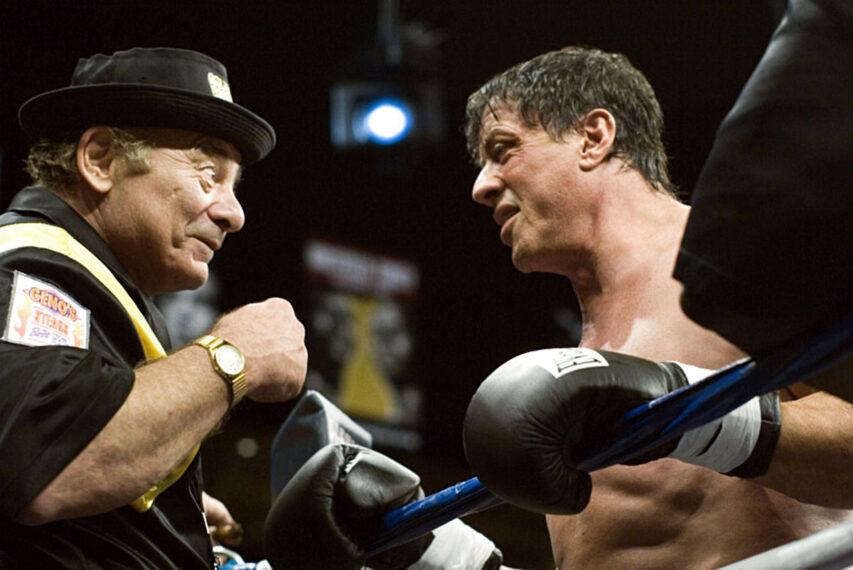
(498, 111)
(508, 113)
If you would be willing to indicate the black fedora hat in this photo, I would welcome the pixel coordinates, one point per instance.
(149, 87)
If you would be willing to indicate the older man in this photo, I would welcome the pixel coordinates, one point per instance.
(134, 166)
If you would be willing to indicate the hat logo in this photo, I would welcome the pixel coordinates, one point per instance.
(219, 87)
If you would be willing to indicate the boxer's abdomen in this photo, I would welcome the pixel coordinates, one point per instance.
(668, 514)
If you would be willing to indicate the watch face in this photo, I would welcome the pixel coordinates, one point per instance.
(229, 359)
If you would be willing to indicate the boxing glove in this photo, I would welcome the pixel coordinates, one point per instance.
(533, 420)
(334, 504)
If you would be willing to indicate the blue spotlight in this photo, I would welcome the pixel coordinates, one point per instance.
(386, 121)
(384, 113)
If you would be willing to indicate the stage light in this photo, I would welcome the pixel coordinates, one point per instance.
(387, 121)
(389, 94)
(385, 113)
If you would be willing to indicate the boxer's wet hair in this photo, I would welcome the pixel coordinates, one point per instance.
(557, 89)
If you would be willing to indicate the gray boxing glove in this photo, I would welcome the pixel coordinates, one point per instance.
(536, 415)
(335, 503)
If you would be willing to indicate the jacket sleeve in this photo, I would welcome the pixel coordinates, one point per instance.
(53, 401)
(765, 257)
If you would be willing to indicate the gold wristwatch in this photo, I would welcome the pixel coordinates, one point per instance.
(228, 362)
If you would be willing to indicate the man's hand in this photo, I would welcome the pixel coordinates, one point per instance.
(223, 528)
(272, 340)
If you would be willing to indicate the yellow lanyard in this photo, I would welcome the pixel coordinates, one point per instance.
(56, 239)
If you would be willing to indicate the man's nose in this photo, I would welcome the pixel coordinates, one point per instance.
(487, 186)
(227, 212)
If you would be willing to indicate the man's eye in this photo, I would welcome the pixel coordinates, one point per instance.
(207, 177)
(498, 152)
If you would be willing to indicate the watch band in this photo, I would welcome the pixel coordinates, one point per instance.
(235, 380)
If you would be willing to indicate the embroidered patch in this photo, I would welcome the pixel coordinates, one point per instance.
(40, 315)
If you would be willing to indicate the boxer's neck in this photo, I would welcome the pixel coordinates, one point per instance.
(630, 289)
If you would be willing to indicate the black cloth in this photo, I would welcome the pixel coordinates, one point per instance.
(55, 399)
(766, 255)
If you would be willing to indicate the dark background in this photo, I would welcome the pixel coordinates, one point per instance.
(475, 310)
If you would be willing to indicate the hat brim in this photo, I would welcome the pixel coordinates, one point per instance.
(130, 105)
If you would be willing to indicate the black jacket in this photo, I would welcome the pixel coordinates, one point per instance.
(55, 399)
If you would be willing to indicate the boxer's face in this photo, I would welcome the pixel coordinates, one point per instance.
(534, 186)
(166, 224)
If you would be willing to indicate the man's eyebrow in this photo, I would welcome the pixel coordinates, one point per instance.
(496, 132)
(489, 139)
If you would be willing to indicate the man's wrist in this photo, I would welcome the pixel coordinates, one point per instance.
(229, 363)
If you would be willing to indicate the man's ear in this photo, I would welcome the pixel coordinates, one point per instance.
(598, 131)
(96, 158)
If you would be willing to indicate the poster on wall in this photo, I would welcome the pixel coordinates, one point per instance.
(362, 338)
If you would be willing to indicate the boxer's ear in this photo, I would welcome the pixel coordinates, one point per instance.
(598, 133)
(96, 158)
